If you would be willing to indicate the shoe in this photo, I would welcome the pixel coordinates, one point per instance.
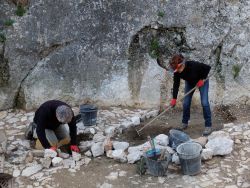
(183, 126)
(207, 131)
(29, 133)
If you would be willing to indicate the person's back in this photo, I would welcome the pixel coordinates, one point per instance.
(45, 115)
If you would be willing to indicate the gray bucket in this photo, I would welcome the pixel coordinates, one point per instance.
(157, 167)
(88, 114)
(177, 137)
(190, 157)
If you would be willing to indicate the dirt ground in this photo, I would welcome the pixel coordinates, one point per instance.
(94, 174)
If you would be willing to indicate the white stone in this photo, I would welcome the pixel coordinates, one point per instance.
(175, 158)
(97, 149)
(136, 120)
(50, 153)
(99, 137)
(106, 185)
(24, 119)
(207, 154)
(153, 113)
(119, 155)
(63, 155)
(88, 154)
(228, 125)
(112, 176)
(3, 114)
(237, 141)
(38, 153)
(122, 173)
(85, 145)
(220, 145)
(217, 134)
(87, 160)
(28, 171)
(92, 130)
(12, 120)
(46, 162)
(57, 161)
(76, 156)
(162, 140)
(16, 173)
(120, 145)
(133, 157)
(109, 154)
(126, 124)
(110, 131)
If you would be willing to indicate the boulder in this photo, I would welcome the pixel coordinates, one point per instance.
(220, 145)
(119, 155)
(28, 171)
(46, 162)
(162, 140)
(120, 145)
(50, 153)
(76, 156)
(57, 161)
(97, 149)
(136, 120)
(133, 157)
(206, 154)
(219, 134)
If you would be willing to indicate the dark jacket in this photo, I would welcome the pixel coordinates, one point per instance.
(45, 118)
(192, 73)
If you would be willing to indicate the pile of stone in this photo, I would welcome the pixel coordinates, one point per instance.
(101, 135)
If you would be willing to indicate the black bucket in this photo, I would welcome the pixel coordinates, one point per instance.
(190, 157)
(89, 114)
(157, 167)
(177, 137)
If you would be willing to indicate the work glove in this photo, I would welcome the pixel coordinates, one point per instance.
(173, 102)
(74, 148)
(53, 148)
(200, 83)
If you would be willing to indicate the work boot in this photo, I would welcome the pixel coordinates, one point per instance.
(207, 131)
(183, 126)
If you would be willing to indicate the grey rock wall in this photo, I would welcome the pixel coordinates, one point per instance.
(99, 50)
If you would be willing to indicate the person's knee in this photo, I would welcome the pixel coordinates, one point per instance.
(204, 103)
(64, 141)
(186, 104)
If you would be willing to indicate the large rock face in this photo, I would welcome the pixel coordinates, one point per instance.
(99, 50)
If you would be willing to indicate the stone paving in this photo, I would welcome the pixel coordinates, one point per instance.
(26, 165)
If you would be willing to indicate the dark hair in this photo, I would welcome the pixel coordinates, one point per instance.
(176, 59)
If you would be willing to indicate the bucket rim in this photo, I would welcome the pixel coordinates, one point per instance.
(187, 143)
(172, 131)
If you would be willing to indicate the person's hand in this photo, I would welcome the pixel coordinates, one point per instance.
(200, 83)
(173, 102)
(53, 148)
(74, 148)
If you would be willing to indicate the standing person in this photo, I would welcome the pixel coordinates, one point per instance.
(49, 126)
(194, 74)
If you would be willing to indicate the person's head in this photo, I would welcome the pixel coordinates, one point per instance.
(176, 62)
(64, 114)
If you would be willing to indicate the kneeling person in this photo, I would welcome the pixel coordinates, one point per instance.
(51, 131)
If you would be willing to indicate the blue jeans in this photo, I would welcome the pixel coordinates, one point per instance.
(204, 103)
